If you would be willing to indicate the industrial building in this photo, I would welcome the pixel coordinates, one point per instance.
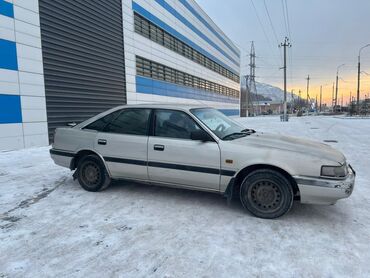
(63, 61)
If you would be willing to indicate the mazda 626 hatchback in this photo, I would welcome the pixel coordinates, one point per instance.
(202, 149)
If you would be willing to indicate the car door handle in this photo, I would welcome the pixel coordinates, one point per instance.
(102, 141)
(158, 148)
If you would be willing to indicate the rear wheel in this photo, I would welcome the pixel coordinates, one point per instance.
(266, 194)
(91, 174)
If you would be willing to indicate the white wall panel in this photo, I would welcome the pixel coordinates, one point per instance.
(11, 143)
(29, 102)
(9, 88)
(35, 128)
(32, 90)
(33, 115)
(26, 39)
(32, 5)
(26, 15)
(7, 34)
(30, 65)
(10, 130)
(35, 141)
(29, 52)
(27, 28)
(28, 80)
(31, 78)
(6, 22)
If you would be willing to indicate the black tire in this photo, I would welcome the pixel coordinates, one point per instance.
(91, 174)
(266, 194)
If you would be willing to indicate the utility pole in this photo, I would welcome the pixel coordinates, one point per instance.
(285, 44)
(320, 97)
(358, 84)
(244, 99)
(292, 102)
(332, 98)
(307, 95)
(252, 75)
(336, 86)
(336, 92)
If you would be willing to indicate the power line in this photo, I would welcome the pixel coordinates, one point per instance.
(263, 29)
(284, 16)
(271, 24)
(290, 36)
(287, 17)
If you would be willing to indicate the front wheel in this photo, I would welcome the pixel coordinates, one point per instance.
(266, 194)
(91, 174)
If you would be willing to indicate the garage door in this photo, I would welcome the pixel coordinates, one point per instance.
(83, 56)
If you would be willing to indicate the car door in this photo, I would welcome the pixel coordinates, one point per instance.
(123, 143)
(176, 159)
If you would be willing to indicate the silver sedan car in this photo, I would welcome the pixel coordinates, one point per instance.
(200, 148)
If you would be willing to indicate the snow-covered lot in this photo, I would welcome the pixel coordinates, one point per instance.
(49, 226)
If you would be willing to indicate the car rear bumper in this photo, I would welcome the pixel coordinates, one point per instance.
(325, 191)
(61, 158)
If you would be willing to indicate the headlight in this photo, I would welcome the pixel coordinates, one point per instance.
(334, 171)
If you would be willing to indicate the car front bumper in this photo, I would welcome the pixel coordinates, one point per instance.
(325, 191)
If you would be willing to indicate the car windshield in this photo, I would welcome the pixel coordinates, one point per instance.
(221, 125)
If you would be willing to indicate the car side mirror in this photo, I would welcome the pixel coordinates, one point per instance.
(200, 135)
(73, 124)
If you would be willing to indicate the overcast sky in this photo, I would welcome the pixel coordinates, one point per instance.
(324, 34)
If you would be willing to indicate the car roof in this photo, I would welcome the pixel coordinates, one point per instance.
(176, 106)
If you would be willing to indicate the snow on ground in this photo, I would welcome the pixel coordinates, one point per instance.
(49, 226)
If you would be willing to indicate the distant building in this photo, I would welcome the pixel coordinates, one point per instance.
(268, 107)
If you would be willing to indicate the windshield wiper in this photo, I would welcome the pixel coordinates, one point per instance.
(237, 134)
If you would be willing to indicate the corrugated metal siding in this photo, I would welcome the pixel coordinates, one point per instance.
(83, 55)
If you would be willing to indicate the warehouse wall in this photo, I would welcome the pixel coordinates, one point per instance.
(187, 22)
(22, 93)
(56, 75)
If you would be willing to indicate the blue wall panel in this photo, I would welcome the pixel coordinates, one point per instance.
(146, 85)
(8, 55)
(6, 8)
(10, 109)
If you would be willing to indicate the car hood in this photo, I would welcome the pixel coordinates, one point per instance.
(292, 144)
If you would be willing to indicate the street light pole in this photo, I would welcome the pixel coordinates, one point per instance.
(336, 86)
(358, 78)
